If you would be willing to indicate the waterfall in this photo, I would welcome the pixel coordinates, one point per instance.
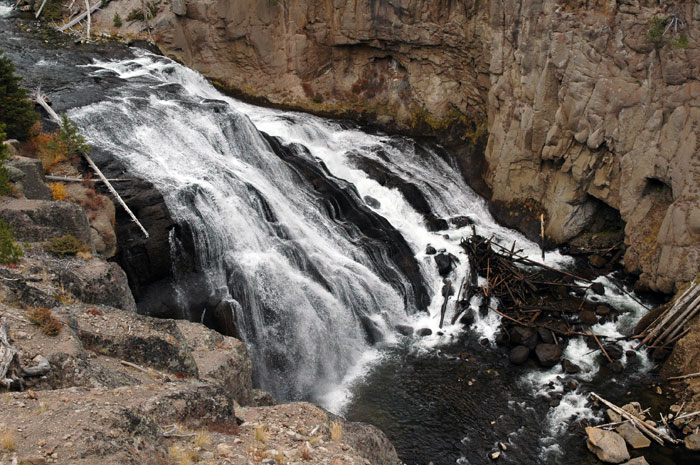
(278, 204)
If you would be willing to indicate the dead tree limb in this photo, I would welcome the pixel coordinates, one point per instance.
(38, 12)
(80, 17)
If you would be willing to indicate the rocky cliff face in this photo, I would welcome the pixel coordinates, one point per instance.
(592, 106)
(596, 109)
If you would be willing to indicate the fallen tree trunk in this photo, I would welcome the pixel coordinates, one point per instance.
(80, 17)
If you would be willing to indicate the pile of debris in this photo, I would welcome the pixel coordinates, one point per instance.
(540, 306)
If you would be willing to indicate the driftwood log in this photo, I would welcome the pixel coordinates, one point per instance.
(11, 370)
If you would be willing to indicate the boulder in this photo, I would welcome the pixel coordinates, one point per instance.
(608, 446)
(436, 224)
(430, 250)
(602, 310)
(404, 330)
(372, 202)
(597, 261)
(518, 355)
(444, 263)
(545, 335)
(461, 221)
(598, 288)
(263, 398)
(423, 332)
(467, 318)
(179, 7)
(548, 354)
(41, 220)
(570, 367)
(614, 350)
(29, 173)
(527, 337)
(692, 442)
(95, 281)
(633, 436)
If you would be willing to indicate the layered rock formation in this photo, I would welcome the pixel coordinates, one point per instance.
(592, 106)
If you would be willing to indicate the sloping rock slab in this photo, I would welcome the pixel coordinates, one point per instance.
(41, 220)
(608, 446)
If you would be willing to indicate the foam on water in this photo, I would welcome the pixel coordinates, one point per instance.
(5, 10)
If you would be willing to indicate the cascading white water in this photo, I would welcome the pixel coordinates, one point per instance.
(305, 282)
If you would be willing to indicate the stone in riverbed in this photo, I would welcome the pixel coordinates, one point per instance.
(444, 263)
(372, 202)
(598, 288)
(404, 330)
(523, 336)
(570, 367)
(587, 317)
(545, 335)
(608, 446)
(461, 221)
(633, 436)
(430, 250)
(518, 355)
(602, 310)
(692, 442)
(424, 332)
(548, 354)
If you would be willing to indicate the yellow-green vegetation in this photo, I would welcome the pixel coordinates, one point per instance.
(202, 439)
(43, 317)
(336, 431)
(9, 251)
(183, 456)
(261, 434)
(67, 245)
(7, 440)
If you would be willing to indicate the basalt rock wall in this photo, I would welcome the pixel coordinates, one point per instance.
(592, 107)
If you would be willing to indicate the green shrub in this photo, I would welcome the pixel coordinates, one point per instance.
(73, 142)
(16, 111)
(9, 251)
(664, 31)
(117, 20)
(137, 14)
(66, 245)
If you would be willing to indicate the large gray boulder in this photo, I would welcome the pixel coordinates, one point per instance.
(42, 220)
(608, 446)
(28, 176)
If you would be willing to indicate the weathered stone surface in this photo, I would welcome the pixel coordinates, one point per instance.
(41, 220)
(633, 436)
(96, 281)
(30, 179)
(608, 446)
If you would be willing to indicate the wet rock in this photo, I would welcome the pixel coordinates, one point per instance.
(520, 335)
(430, 250)
(518, 355)
(501, 337)
(608, 446)
(444, 263)
(598, 288)
(29, 174)
(614, 351)
(597, 261)
(467, 317)
(633, 436)
(372, 202)
(602, 310)
(587, 317)
(570, 367)
(616, 367)
(461, 221)
(692, 442)
(634, 408)
(548, 354)
(545, 335)
(404, 330)
(372, 330)
(436, 224)
(423, 332)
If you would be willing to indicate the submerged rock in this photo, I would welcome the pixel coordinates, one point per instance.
(372, 202)
(608, 446)
(404, 330)
(518, 355)
(430, 250)
(548, 354)
(423, 332)
(444, 263)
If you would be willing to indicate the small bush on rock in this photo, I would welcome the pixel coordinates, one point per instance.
(43, 317)
(9, 251)
(58, 189)
(117, 20)
(67, 245)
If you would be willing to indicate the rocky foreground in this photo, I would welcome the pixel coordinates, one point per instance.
(93, 382)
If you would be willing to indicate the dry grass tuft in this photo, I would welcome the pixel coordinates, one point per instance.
(202, 439)
(336, 431)
(43, 317)
(7, 440)
(305, 452)
(261, 434)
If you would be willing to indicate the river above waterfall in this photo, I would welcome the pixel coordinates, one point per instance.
(319, 260)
